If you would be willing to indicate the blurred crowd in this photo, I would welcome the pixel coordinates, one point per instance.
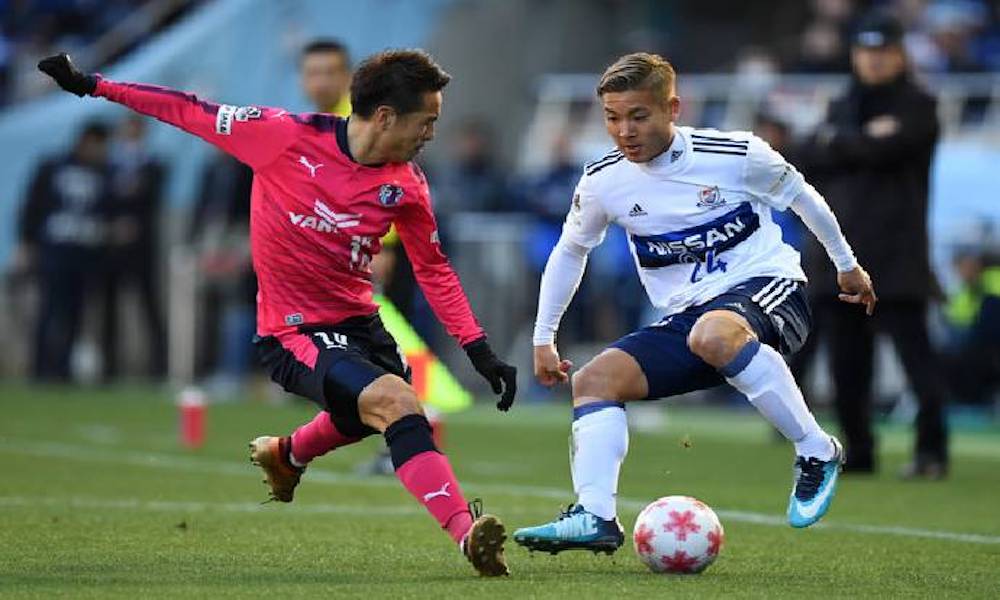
(953, 36)
(88, 229)
(101, 29)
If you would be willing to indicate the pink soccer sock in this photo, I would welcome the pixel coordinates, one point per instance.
(316, 438)
(428, 476)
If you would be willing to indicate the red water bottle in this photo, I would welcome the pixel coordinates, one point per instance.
(192, 417)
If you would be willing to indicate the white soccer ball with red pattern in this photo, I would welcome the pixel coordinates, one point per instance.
(677, 534)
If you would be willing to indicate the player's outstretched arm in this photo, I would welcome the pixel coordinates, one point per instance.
(855, 284)
(64, 72)
(417, 229)
(254, 135)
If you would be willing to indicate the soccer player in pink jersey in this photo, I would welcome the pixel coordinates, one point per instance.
(325, 191)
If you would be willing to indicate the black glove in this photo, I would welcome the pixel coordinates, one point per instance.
(69, 78)
(501, 376)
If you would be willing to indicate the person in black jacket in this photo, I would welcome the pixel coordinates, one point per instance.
(133, 256)
(872, 159)
(63, 227)
(217, 233)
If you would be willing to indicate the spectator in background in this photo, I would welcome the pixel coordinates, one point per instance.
(972, 352)
(133, 257)
(325, 71)
(6, 60)
(218, 233)
(547, 196)
(62, 232)
(471, 181)
(945, 36)
(873, 156)
(823, 47)
(32, 29)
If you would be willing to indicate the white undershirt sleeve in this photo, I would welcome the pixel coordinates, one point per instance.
(810, 206)
(561, 278)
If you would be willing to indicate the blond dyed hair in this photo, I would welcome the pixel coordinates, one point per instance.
(639, 71)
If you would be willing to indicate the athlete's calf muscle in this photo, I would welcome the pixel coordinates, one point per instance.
(387, 400)
(611, 375)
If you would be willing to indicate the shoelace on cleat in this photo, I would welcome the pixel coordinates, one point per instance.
(475, 508)
(810, 477)
(571, 511)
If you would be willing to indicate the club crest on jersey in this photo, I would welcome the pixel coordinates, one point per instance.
(710, 197)
(245, 113)
(390, 195)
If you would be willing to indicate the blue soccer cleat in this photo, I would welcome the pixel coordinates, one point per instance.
(575, 529)
(815, 485)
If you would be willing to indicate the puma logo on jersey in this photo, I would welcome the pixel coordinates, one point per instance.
(325, 220)
(443, 492)
(312, 168)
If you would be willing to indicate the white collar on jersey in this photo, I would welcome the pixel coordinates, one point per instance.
(673, 160)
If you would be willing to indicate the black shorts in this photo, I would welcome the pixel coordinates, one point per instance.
(776, 309)
(332, 364)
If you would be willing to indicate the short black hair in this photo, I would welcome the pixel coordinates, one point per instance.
(326, 45)
(395, 78)
(95, 128)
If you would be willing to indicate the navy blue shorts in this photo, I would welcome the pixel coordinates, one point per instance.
(776, 309)
(332, 364)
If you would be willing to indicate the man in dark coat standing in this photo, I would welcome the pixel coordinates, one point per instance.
(63, 228)
(872, 158)
(133, 253)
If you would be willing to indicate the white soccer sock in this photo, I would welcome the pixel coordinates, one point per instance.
(295, 463)
(763, 376)
(599, 445)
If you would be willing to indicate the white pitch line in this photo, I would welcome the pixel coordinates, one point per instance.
(81, 502)
(217, 467)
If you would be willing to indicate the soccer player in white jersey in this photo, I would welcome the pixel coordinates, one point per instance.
(696, 205)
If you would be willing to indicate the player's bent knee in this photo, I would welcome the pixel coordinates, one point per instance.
(716, 339)
(612, 375)
(387, 400)
(595, 382)
(592, 382)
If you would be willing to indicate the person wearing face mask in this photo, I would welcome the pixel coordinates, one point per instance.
(871, 158)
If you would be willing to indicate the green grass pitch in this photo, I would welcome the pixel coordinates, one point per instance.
(98, 501)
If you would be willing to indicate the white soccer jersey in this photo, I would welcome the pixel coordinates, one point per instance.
(698, 217)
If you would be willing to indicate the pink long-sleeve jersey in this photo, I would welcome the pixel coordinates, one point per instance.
(317, 216)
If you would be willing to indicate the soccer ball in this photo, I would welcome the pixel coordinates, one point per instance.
(677, 534)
